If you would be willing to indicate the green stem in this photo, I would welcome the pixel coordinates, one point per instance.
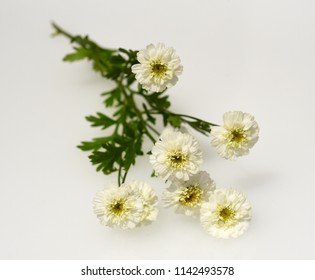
(193, 118)
(119, 175)
(83, 42)
(116, 65)
(147, 133)
(153, 129)
(125, 176)
(59, 30)
(138, 112)
(157, 111)
(130, 102)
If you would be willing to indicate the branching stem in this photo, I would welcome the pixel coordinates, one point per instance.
(119, 151)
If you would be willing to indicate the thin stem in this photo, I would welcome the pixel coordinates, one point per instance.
(119, 174)
(193, 118)
(138, 112)
(116, 128)
(125, 176)
(78, 39)
(150, 137)
(130, 102)
(153, 129)
(116, 65)
(159, 112)
(59, 30)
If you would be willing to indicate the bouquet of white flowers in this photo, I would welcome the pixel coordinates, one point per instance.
(175, 157)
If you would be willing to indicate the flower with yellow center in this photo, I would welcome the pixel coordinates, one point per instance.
(238, 134)
(158, 67)
(176, 155)
(226, 214)
(191, 195)
(177, 158)
(187, 196)
(118, 207)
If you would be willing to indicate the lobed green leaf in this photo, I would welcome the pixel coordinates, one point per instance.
(100, 120)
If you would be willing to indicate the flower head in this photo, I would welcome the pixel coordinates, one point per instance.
(158, 67)
(226, 214)
(118, 207)
(149, 200)
(132, 204)
(187, 196)
(176, 155)
(238, 134)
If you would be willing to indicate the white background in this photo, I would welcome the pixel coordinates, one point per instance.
(254, 56)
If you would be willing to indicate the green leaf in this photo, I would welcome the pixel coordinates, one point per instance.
(174, 120)
(95, 144)
(201, 127)
(122, 140)
(149, 116)
(132, 150)
(131, 78)
(117, 59)
(120, 150)
(80, 54)
(159, 101)
(107, 160)
(130, 53)
(113, 97)
(100, 120)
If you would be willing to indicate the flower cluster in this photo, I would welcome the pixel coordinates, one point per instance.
(223, 213)
(175, 157)
(129, 206)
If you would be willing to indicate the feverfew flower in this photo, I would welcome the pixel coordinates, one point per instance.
(176, 155)
(149, 201)
(158, 67)
(118, 207)
(187, 196)
(226, 214)
(238, 134)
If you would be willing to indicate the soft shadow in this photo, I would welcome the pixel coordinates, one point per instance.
(264, 179)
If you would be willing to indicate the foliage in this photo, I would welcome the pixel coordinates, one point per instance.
(130, 121)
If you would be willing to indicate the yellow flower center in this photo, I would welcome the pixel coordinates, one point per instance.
(158, 69)
(237, 136)
(226, 216)
(177, 159)
(191, 196)
(118, 207)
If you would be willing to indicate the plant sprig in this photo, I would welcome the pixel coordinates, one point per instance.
(131, 121)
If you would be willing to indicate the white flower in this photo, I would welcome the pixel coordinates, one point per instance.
(176, 155)
(187, 196)
(118, 207)
(226, 214)
(149, 201)
(158, 67)
(238, 134)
